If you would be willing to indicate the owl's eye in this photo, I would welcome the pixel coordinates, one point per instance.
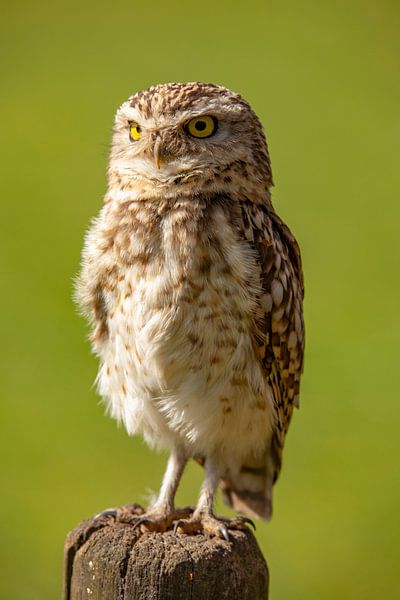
(135, 132)
(202, 127)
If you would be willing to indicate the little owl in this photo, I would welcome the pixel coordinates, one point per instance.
(194, 289)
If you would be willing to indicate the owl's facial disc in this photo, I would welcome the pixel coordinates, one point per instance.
(160, 141)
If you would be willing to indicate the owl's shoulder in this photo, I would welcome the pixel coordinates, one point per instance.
(274, 242)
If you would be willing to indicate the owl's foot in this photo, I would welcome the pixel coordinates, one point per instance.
(161, 520)
(210, 525)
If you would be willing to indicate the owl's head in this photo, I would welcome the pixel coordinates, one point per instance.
(192, 134)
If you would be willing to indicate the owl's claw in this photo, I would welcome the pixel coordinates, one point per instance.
(222, 529)
(248, 521)
(109, 512)
(177, 524)
(161, 521)
(210, 525)
(141, 521)
(122, 513)
(180, 520)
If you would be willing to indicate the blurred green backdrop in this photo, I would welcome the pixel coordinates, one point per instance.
(324, 78)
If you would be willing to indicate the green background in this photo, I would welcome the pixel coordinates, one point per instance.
(324, 79)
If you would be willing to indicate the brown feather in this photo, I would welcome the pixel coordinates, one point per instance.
(281, 351)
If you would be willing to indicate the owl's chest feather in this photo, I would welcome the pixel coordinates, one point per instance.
(190, 284)
(181, 324)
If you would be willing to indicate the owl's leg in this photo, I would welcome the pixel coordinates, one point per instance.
(203, 519)
(161, 515)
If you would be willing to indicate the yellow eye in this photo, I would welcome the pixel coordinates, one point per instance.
(202, 127)
(135, 132)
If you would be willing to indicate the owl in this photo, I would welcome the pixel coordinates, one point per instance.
(193, 287)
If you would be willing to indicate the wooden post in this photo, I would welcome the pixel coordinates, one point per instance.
(106, 559)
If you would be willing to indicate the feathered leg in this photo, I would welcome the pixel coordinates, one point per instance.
(161, 515)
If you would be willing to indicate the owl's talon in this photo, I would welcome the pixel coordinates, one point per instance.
(177, 524)
(124, 513)
(140, 521)
(224, 532)
(162, 520)
(109, 512)
(211, 526)
(248, 521)
(239, 523)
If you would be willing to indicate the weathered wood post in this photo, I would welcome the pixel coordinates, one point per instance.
(106, 559)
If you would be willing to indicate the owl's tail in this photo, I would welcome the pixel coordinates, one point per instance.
(250, 491)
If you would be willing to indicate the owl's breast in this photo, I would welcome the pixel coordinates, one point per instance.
(181, 336)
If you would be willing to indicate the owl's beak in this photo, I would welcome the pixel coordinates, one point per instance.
(160, 152)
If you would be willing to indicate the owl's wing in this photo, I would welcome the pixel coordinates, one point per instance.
(281, 346)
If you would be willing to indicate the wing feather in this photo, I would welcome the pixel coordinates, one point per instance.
(281, 348)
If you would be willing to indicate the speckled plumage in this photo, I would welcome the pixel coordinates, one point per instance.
(194, 289)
